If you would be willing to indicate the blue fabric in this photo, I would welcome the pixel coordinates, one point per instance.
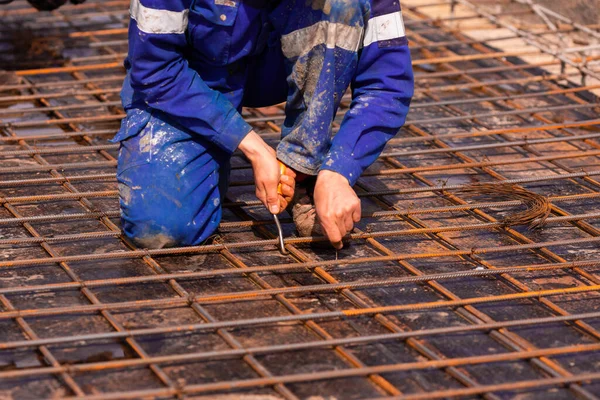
(171, 182)
(382, 88)
(161, 77)
(318, 80)
(193, 85)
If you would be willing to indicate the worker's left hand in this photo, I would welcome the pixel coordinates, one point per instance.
(337, 205)
(266, 170)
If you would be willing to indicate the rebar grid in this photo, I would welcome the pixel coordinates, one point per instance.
(434, 297)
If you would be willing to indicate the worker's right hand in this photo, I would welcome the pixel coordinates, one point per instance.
(266, 170)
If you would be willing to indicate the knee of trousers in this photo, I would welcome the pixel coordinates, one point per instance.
(156, 220)
(160, 208)
(170, 185)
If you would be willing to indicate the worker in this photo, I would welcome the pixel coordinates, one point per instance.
(193, 64)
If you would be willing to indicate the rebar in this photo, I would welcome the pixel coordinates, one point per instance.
(443, 279)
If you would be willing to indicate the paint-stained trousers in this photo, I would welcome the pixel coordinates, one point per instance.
(172, 182)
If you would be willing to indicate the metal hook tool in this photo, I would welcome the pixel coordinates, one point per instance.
(282, 248)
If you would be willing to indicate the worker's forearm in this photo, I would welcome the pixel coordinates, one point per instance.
(253, 146)
(161, 76)
(382, 91)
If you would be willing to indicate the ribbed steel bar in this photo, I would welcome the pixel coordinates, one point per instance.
(344, 341)
(55, 136)
(118, 78)
(75, 178)
(313, 239)
(60, 217)
(382, 384)
(504, 113)
(69, 69)
(466, 101)
(294, 267)
(64, 121)
(529, 95)
(33, 97)
(556, 370)
(525, 36)
(525, 142)
(382, 172)
(577, 389)
(353, 312)
(33, 12)
(60, 167)
(101, 32)
(517, 129)
(46, 353)
(225, 354)
(442, 110)
(437, 20)
(425, 349)
(110, 319)
(27, 168)
(503, 387)
(113, 65)
(587, 228)
(114, 193)
(101, 118)
(376, 214)
(70, 107)
(70, 84)
(357, 372)
(486, 41)
(480, 164)
(272, 242)
(394, 141)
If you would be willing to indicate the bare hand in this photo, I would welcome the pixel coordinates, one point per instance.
(266, 170)
(337, 205)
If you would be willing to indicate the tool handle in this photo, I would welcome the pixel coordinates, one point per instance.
(282, 169)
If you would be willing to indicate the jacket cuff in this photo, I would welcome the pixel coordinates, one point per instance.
(344, 164)
(233, 132)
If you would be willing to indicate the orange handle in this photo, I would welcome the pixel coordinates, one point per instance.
(282, 169)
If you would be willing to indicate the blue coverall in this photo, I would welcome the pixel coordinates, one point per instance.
(193, 64)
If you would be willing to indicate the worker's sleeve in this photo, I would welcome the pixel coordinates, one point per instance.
(381, 92)
(160, 75)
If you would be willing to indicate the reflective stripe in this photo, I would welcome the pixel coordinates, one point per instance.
(384, 27)
(150, 20)
(300, 42)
